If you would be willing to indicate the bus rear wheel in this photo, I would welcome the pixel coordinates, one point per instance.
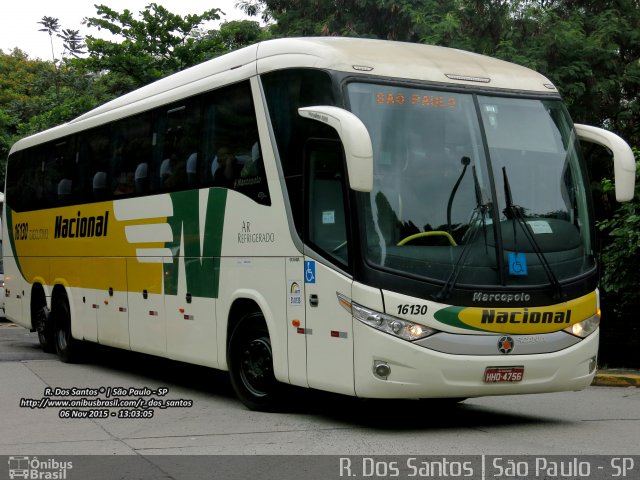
(67, 348)
(44, 327)
(250, 359)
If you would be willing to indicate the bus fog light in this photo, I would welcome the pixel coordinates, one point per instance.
(593, 363)
(381, 369)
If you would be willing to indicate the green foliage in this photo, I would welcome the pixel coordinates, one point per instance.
(390, 19)
(6, 138)
(24, 84)
(36, 95)
(588, 48)
(73, 42)
(156, 45)
(620, 258)
(239, 33)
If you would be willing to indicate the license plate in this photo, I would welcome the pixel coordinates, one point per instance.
(503, 374)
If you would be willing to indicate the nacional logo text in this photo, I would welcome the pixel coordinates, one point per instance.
(81, 226)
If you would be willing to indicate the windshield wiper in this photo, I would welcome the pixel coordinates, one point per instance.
(480, 210)
(465, 161)
(514, 212)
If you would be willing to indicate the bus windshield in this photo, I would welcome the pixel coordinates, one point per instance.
(474, 189)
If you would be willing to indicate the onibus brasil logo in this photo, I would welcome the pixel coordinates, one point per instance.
(38, 468)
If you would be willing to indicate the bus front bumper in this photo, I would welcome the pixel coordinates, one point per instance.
(418, 372)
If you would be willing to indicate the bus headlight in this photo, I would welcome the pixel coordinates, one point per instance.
(395, 326)
(586, 327)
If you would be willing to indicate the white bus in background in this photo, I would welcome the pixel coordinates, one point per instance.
(373, 218)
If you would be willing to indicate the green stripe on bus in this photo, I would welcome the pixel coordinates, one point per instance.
(202, 266)
(449, 316)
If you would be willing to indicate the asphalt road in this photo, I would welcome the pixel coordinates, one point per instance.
(598, 420)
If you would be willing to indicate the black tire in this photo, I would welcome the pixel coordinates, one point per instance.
(250, 360)
(67, 348)
(44, 327)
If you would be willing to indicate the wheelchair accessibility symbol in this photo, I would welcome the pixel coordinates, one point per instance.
(517, 264)
(309, 271)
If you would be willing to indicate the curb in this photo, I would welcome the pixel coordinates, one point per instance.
(617, 379)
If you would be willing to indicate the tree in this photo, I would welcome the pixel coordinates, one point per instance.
(239, 33)
(32, 99)
(7, 125)
(51, 25)
(588, 48)
(390, 19)
(72, 42)
(620, 278)
(24, 84)
(158, 44)
(620, 258)
(34, 96)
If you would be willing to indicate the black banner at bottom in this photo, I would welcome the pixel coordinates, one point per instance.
(320, 467)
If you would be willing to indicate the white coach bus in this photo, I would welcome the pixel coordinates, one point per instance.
(373, 218)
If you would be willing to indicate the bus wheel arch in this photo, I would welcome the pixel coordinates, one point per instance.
(246, 302)
(41, 320)
(67, 348)
(250, 357)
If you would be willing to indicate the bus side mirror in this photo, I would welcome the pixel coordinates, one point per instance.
(355, 140)
(624, 163)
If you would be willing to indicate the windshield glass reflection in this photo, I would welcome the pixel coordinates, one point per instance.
(432, 213)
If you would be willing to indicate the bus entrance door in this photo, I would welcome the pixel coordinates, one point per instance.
(329, 329)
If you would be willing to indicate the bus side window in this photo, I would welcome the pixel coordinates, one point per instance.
(24, 184)
(93, 157)
(231, 150)
(58, 172)
(130, 147)
(176, 132)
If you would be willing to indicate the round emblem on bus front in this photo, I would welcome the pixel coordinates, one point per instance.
(505, 344)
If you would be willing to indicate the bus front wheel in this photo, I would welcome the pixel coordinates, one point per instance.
(67, 348)
(250, 359)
